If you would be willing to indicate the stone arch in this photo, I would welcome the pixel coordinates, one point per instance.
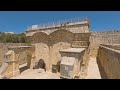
(22, 60)
(61, 36)
(41, 41)
(24, 57)
(60, 39)
(40, 37)
(40, 64)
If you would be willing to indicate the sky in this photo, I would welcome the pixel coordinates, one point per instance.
(19, 21)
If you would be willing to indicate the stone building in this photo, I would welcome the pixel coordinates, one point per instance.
(50, 40)
(54, 48)
(67, 49)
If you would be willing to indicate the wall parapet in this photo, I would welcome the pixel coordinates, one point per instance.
(108, 60)
(58, 23)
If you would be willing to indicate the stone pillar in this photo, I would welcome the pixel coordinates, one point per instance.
(31, 54)
(32, 61)
(50, 62)
(13, 66)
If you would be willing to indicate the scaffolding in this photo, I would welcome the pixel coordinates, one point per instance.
(55, 24)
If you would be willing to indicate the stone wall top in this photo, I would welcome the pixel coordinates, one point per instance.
(20, 46)
(109, 48)
(73, 50)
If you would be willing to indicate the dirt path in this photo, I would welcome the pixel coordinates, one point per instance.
(36, 74)
(93, 70)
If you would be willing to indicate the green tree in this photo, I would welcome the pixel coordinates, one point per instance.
(13, 38)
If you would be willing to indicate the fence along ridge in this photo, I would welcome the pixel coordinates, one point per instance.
(54, 24)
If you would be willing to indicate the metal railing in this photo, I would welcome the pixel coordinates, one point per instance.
(54, 24)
